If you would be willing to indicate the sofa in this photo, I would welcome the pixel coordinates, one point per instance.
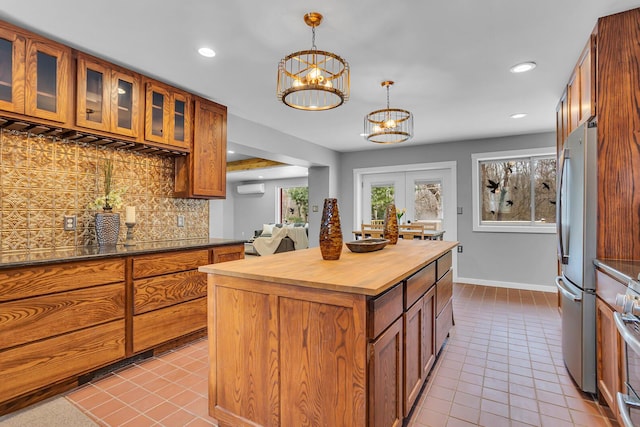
(278, 238)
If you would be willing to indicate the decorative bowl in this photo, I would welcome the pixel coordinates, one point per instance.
(367, 245)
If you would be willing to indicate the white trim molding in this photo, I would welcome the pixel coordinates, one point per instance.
(510, 285)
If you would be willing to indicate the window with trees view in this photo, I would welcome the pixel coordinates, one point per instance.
(515, 191)
(294, 205)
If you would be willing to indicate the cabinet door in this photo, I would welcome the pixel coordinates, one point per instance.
(608, 353)
(12, 64)
(573, 93)
(93, 99)
(586, 69)
(385, 378)
(125, 103)
(180, 116)
(419, 347)
(47, 80)
(157, 110)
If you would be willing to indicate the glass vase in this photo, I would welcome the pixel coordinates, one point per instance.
(390, 231)
(330, 231)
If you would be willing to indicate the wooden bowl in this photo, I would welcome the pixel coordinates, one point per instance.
(367, 245)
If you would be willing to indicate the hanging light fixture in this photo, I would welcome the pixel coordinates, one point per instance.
(313, 79)
(388, 126)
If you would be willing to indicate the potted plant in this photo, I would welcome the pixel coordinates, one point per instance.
(107, 222)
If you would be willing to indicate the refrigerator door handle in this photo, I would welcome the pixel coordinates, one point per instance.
(566, 291)
(562, 256)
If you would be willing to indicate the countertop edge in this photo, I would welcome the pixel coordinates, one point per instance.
(120, 251)
(606, 266)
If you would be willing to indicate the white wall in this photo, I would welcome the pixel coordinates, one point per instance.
(508, 259)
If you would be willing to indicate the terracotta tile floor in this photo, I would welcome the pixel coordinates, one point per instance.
(502, 366)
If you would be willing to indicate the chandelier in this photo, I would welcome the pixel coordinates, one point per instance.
(388, 126)
(313, 79)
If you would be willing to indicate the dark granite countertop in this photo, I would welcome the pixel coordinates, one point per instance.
(623, 270)
(50, 256)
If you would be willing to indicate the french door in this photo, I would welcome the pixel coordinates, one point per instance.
(421, 194)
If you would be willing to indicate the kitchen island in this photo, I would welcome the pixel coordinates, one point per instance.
(296, 340)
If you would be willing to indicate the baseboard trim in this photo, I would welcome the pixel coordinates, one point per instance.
(511, 285)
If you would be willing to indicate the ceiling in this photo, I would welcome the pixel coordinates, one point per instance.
(450, 59)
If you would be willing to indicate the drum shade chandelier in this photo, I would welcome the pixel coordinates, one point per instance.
(390, 125)
(313, 80)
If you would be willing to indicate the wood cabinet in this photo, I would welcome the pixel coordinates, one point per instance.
(203, 173)
(562, 122)
(34, 75)
(107, 97)
(609, 346)
(167, 115)
(65, 320)
(385, 378)
(444, 305)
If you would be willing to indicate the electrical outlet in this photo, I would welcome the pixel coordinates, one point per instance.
(459, 249)
(315, 208)
(180, 220)
(459, 210)
(70, 222)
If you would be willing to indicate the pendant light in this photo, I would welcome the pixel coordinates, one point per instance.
(313, 80)
(390, 125)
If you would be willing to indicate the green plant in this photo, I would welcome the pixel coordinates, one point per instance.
(112, 198)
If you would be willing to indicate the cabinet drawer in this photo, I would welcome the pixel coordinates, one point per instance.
(443, 264)
(159, 326)
(444, 291)
(32, 281)
(170, 262)
(607, 288)
(37, 318)
(29, 367)
(418, 284)
(444, 323)
(162, 291)
(384, 309)
(228, 253)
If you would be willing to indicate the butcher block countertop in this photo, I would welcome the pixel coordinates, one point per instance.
(357, 273)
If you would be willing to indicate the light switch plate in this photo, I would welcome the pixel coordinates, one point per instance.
(180, 220)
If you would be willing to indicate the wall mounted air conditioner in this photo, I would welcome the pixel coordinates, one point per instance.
(250, 189)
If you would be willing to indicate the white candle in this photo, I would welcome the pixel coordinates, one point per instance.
(130, 216)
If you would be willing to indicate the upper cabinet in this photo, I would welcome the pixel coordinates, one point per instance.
(203, 173)
(107, 97)
(34, 75)
(167, 115)
(12, 62)
(578, 103)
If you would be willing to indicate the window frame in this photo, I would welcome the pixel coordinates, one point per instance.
(506, 227)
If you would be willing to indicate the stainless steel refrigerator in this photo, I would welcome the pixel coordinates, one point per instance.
(576, 206)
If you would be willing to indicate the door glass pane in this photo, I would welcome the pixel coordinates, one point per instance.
(428, 203)
(178, 130)
(381, 196)
(47, 78)
(94, 96)
(545, 194)
(6, 70)
(157, 114)
(125, 104)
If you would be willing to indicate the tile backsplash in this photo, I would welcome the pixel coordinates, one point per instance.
(42, 180)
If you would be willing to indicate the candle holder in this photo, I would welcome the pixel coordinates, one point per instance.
(129, 241)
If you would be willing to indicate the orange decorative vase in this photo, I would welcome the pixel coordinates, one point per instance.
(390, 231)
(330, 232)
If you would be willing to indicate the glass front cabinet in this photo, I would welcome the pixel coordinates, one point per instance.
(107, 97)
(34, 76)
(168, 115)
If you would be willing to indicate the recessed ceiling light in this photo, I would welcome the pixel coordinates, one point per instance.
(208, 52)
(518, 115)
(260, 176)
(230, 151)
(523, 67)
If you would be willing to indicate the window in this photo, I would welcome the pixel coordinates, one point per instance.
(515, 191)
(294, 205)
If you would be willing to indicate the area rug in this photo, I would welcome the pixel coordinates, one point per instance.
(51, 413)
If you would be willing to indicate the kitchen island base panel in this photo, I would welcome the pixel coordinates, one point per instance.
(280, 347)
